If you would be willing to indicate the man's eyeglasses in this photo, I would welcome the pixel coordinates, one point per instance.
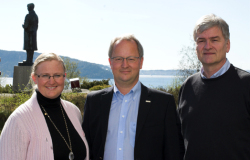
(130, 59)
(46, 77)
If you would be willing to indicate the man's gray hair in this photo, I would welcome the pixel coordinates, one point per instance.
(129, 37)
(209, 21)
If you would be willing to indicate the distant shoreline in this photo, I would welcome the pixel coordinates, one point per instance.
(147, 80)
(141, 75)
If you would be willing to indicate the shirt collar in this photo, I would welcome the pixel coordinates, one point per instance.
(135, 90)
(220, 72)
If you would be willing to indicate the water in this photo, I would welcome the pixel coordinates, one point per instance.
(148, 80)
(156, 80)
(6, 80)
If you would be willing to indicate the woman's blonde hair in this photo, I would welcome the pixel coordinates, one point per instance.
(42, 58)
(46, 57)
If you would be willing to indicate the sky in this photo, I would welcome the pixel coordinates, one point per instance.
(83, 29)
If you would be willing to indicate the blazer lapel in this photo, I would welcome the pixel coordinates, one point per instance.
(145, 103)
(106, 100)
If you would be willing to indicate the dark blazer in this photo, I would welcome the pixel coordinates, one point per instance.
(158, 132)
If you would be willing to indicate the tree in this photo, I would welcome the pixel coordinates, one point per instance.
(189, 63)
(71, 70)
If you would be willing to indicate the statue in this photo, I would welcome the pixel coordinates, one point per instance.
(30, 28)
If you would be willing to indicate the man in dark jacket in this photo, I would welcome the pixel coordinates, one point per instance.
(30, 28)
(129, 121)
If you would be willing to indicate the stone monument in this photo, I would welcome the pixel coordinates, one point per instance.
(30, 27)
(22, 71)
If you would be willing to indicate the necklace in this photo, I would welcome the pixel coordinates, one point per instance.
(71, 155)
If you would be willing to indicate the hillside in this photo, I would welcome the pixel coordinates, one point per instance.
(9, 59)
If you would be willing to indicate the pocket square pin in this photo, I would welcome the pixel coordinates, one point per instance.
(148, 101)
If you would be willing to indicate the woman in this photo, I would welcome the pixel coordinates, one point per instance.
(45, 127)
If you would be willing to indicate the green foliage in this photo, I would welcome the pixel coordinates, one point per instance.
(99, 87)
(173, 89)
(86, 84)
(76, 98)
(22, 97)
(6, 89)
(8, 103)
(71, 68)
(6, 108)
(76, 90)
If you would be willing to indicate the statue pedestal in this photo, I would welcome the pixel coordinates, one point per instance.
(24, 63)
(21, 77)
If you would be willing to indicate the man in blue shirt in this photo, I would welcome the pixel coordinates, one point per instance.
(130, 121)
(214, 105)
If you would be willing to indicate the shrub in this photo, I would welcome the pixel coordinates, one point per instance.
(86, 84)
(9, 103)
(173, 89)
(6, 89)
(76, 98)
(99, 87)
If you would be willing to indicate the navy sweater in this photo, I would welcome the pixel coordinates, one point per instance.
(215, 116)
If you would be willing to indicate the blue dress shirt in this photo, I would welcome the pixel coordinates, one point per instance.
(123, 113)
(220, 72)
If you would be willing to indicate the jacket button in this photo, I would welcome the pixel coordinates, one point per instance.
(100, 157)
